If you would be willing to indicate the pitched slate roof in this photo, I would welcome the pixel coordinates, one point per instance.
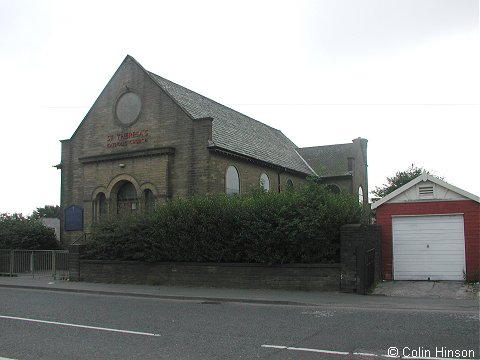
(236, 132)
(329, 160)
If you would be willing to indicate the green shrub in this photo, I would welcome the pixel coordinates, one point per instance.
(291, 227)
(18, 232)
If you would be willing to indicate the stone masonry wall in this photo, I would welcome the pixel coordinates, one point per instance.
(287, 277)
(249, 174)
(348, 276)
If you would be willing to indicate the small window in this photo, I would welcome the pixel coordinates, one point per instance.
(351, 164)
(232, 181)
(149, 200)
(264, 182)
(360, 195)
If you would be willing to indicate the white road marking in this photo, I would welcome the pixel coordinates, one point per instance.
(281, 347)
(424, 358)
(367, 354)
(319, 351)
(306, 349)
(79, 326)
(322, 351)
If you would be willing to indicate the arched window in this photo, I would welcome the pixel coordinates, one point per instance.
(289, 184)
(100, 206)
(360, 195)
(149, 200)
(232, 181)
(264, 182)
(333, 188)
(127, 198)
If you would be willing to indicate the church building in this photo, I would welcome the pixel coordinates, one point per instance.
(146, 140)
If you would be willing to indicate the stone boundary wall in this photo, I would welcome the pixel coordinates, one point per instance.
(317, 277)
(347, 276)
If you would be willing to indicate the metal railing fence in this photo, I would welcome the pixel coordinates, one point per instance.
(35, 263)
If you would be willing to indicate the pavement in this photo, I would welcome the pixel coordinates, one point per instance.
(396, 294)
(429, 289)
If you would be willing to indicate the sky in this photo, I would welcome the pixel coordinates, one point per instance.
(403, 74)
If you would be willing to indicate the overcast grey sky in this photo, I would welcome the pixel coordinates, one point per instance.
(402, 73)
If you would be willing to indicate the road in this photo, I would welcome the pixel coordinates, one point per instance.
(36, 324)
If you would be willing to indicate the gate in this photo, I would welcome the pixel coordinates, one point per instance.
(369, 269)
(35, 263)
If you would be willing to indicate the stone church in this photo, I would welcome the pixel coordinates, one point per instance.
(146, 140)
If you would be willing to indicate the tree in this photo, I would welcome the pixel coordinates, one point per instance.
(19, 232)
(398, 180)
(48, 211)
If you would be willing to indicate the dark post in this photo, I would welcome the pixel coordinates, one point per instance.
(355, 241)
(74, 253)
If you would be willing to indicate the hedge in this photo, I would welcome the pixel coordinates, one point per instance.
(300, 226)
(18, 232)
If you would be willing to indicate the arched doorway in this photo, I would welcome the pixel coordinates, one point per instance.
(127, 201)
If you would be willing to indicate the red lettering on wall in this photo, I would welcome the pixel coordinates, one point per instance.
(127, 138)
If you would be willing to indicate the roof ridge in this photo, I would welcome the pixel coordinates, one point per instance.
(323, 146)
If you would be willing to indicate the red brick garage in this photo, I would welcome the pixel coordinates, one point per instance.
(430, 231)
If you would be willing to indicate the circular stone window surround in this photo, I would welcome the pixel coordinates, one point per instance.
(128, 108)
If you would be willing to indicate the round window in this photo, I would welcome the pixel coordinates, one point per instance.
(128, 108)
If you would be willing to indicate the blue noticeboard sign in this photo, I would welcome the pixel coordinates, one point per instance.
(73, 218)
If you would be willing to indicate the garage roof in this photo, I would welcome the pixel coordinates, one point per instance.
(424, 178)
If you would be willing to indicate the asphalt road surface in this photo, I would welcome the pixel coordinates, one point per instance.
(36, 324)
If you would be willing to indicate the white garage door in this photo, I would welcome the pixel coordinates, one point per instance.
(428, 247)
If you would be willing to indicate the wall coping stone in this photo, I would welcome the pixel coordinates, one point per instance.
(135, 262)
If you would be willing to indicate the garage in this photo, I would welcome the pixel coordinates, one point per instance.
(430, 231)
(428, 247)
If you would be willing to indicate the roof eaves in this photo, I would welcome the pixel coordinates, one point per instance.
(213, 147)
(424, 177)
(338, 176)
